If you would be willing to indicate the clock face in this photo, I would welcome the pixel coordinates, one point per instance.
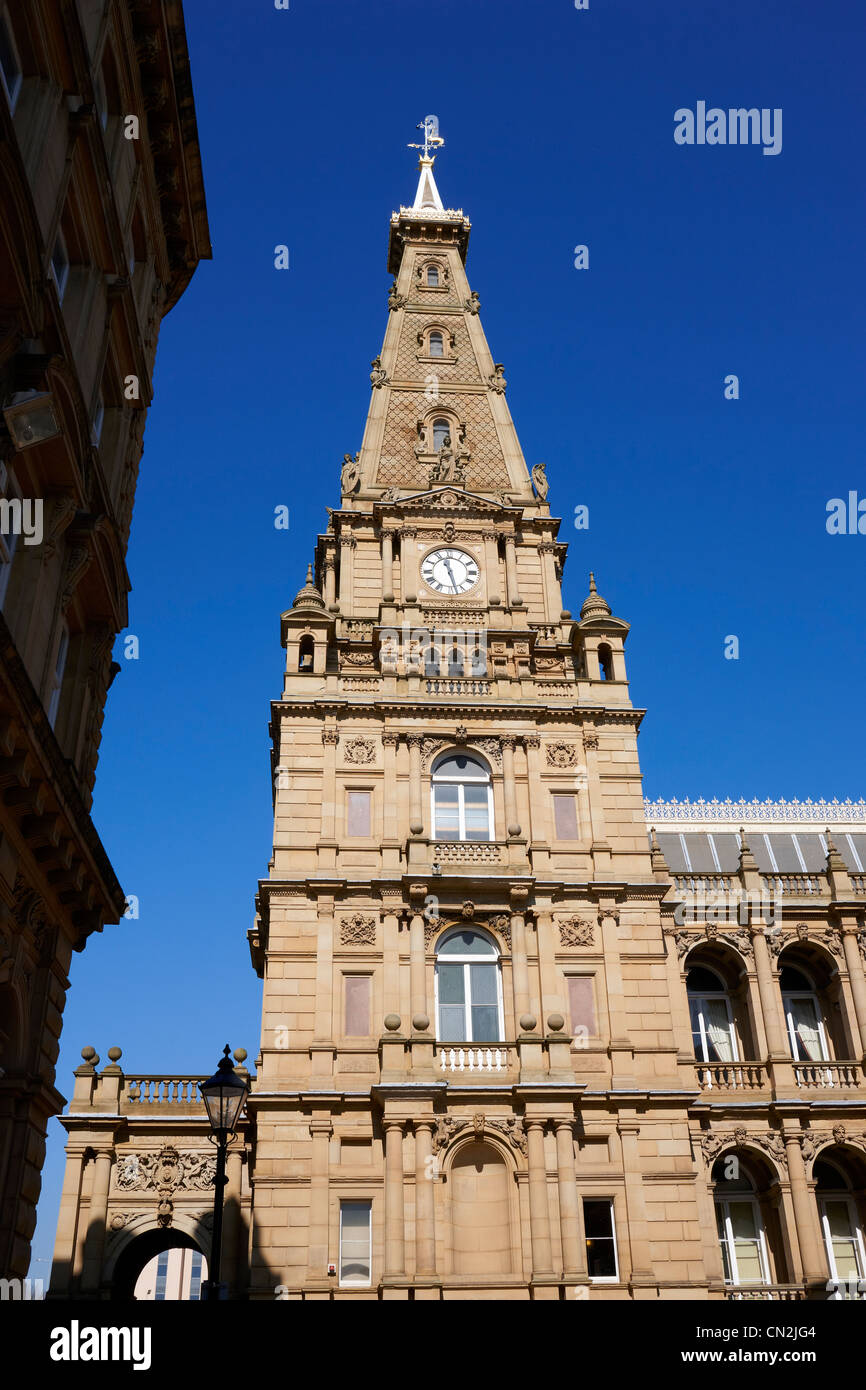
(449, 571)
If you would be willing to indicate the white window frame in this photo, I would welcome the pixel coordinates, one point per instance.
(788, 997)
(12, 94)
(723, 1204)
(841, 1194)
(460, 782)
(700, 997)
(356, 1283)
(602, 1278)
(458, 958)
(57, 677)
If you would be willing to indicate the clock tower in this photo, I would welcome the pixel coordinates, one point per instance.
(461, 881)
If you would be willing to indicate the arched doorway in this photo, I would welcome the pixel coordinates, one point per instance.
(142, 1272)
(747, 1202)
(480, 1211)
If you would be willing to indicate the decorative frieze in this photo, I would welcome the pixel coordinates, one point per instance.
(713, 1142)
(358, 930)
(562, 754)
(576, 931)
(739, 812)
(167, 1171)
(359, 750)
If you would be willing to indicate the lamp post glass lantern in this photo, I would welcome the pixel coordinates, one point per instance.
(223, 1095)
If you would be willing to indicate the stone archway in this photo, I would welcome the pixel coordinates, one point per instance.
(140, 1250)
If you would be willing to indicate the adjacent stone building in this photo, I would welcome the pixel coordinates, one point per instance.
(524, 1035)
(102, 223)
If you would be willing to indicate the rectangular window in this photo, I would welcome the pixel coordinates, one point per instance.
(60, 264)
(355, 1224)
(195, 1277)
(358, 815)
(357, 1006)
(57, 678)
(600, 1239)
(565, 816)
(161, 1276)
(581, 1003)
(10, 64)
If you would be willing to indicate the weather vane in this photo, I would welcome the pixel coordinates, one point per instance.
(432, 138)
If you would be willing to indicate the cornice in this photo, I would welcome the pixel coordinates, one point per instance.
(283, 709)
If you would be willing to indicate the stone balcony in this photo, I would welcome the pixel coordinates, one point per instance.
(773, 1079)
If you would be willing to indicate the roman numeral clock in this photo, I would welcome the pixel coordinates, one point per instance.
(449, 571)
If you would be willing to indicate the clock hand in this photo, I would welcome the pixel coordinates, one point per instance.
(451, 575)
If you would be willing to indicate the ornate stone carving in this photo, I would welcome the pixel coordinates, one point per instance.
(496, 381)
(576, 931)
(357, 628)
(739, 812)
(473, 304)
(357, 659)
(330, 736)
(590, 739)
(540, 483)
(359, 750)
(514, 1130)
(502, 924)
(395, 300)
(562, 755)
(378, 376)
(770, 1141)
(491, 748)
(358, 930)
(350, 476)
(165, 1172)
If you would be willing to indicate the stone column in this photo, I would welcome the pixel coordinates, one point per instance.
(519, 967)
(491, 554)
(330, 739)
(805, 1213)
(408, 565)
(97, 1221)
(325, 934)
(389, 819)
(64, 1246)
(416, 815)
(538, 827)
(330, 583)
(395, 1259)
(418, 971)
(321, 1130)
(514, 598)
(425, 1233)
(573, 1252)
(391, 906)
(388, 566)
(771, 1000)
(854, 962)
(231, 1256)
(347, 547)
(512, 825)
(641, 1264)
(552, 595)
(539, 1212)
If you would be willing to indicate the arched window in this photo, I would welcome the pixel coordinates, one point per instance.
(462, 798)
(803, 1016)
(433, 277)
(712, 1018)
(306, 652)
(435, 344)
(739, 1223)
(468, 988)
(840, 1224)
(605, 662)
(441, 430)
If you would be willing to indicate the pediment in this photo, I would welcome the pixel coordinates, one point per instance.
(448, 498)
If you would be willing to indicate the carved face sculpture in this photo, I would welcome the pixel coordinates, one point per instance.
(449, 571)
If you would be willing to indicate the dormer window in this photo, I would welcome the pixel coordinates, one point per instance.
(433, 277)
(436, 345)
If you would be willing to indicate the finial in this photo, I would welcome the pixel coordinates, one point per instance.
(592, 588)
(432, 138)
(309, 574)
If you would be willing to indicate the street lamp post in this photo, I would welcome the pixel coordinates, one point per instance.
(223, 1095)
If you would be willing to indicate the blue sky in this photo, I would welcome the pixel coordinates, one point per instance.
(707, 516)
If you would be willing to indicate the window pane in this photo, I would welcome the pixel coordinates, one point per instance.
(697, 1035)
(600, 1248)
(565, 817)
(467, 943)
(432, 275)
(446, 803)
(485, 1024)
(358, 817)
(804, 1022)
(475, 812)
(452, 1023)
(358, 1006)
(355, 1242)
(440, 429)
(461, 767)
(581, 1004)
(482, 984)
(435, 344)
(451, 984)
(719, 1042)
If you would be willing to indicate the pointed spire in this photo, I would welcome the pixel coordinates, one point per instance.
(309, 596)
(594, 606)
(427, 195)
